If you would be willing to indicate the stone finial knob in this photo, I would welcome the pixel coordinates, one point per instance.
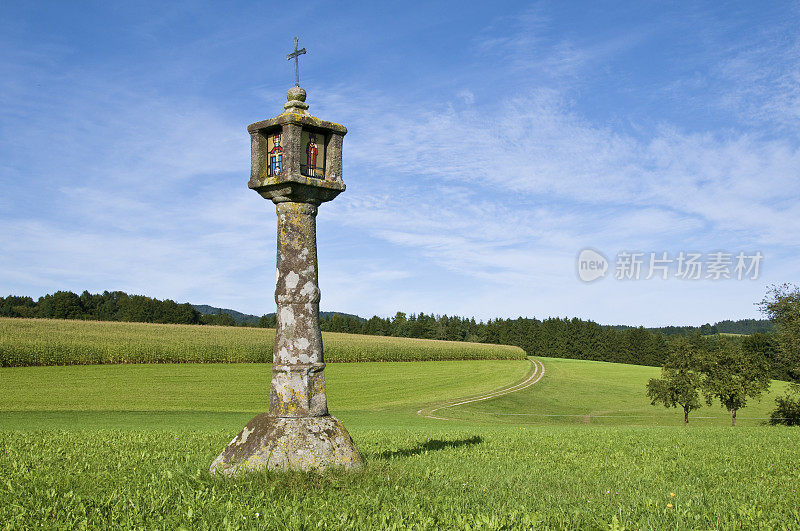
(296, 94)
(296, 101)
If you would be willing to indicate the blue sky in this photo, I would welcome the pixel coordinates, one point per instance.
(488, 144)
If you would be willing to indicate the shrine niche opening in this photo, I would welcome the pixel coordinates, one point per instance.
(274, 154)
(312, 156)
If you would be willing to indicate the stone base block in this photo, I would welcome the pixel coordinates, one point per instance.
(283, 443)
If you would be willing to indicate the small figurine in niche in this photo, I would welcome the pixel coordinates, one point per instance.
(275, 165)
(311, 152)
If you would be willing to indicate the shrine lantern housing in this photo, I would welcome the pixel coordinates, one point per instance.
(295, 156)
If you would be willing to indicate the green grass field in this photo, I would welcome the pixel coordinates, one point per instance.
(594, 392)
(130, 446)
(25, 342)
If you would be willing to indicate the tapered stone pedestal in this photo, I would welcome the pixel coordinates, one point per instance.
(282, 443)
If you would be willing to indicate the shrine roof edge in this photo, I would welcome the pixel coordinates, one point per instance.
(299, 119)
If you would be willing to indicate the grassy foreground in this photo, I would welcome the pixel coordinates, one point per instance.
(26, 342)
(130, 446)
(458, 478)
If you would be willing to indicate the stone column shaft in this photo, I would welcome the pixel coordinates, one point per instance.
(298, 378)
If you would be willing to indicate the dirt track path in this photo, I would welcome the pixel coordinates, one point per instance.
(536, 374)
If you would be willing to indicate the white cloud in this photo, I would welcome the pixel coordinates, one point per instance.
(763, 81)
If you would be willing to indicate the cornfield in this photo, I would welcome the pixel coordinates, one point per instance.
(26, 342)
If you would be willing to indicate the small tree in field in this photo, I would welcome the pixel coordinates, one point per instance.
(733, 375)
(680, 380)
(782, 306)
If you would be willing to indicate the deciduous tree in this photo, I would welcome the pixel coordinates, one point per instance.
(782, 306)
(680, 380)
(734, 375)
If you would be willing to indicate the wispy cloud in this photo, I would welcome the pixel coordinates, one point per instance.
(537, 149)
(763, 82)
(511, 189)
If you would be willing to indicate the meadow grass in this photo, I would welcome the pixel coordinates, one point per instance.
(243, 387)
(27, 342)
(130, 445)
(437, 478)
(571, 392)
(596, 392)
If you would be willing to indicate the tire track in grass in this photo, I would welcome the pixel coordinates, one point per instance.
(536, 374)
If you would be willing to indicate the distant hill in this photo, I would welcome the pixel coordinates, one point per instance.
(240, 317)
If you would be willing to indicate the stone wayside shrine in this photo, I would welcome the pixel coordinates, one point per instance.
(296, 162)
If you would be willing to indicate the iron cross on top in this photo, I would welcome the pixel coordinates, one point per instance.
(294, 55)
